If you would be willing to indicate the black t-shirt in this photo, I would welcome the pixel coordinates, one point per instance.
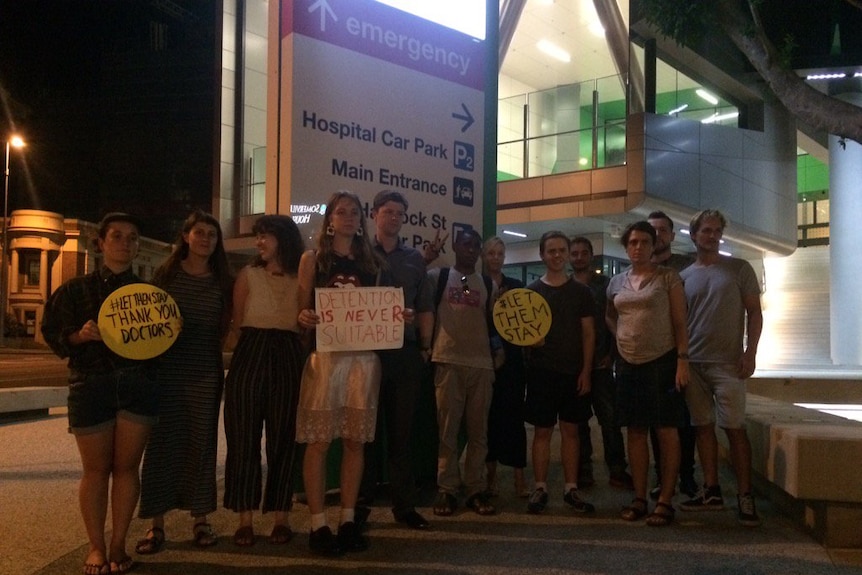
(563, 348)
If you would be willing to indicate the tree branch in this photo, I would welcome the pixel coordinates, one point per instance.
(819, 110)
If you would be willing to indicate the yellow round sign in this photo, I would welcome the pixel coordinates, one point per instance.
(522, 316)
(139, 321)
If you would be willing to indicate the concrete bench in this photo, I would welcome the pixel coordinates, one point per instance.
(808, 464)
(29, 402)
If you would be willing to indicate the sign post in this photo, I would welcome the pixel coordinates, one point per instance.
(372, 97)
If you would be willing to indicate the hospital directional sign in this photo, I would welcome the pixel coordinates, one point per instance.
(373, 97)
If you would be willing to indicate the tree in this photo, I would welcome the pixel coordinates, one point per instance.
(685, 21)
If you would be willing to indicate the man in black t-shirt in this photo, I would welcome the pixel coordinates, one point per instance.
(558, 374)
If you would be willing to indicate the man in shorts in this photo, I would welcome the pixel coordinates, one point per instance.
(558, 373)
(723, 297)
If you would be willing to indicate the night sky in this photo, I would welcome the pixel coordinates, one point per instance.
(116, 100)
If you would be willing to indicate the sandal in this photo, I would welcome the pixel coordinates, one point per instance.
(152, 542)
(480, 503)
(122, 566)
(280, 535)
(244, 536)
(663, 519)
(634, 510)
(445, 504)
(96, 568)
(204, 535)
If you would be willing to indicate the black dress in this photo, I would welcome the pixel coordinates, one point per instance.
(507, 437)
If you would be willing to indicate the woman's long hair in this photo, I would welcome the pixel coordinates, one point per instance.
(367, 260)
(217, 261)
(286, 233)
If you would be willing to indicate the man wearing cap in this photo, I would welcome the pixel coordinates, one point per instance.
(402, 368)
(113, 401)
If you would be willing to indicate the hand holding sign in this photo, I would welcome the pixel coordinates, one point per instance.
(139, 321)
(362, 318)
(522, 316)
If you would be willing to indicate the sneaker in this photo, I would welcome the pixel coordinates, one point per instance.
(707, 499)
(538, 501)
(574, 501)
(621, 480)
(747, 514)
(323, 542)
(688, 486)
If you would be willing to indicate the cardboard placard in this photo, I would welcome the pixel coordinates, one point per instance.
(362, 318)
(139, 321)
(522, 316)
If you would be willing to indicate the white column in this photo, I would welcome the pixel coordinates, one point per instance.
(845, 217)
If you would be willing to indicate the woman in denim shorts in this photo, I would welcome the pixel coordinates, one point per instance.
(113, 401)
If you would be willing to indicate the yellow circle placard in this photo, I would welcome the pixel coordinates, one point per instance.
(522, 316)
(139, 321)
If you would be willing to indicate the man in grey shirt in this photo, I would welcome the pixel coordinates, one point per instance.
(723, 297)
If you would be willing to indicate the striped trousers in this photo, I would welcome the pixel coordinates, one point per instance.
(261, 393)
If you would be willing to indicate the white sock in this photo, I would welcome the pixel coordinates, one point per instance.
(318, 520)
(347, 515)
(570, 486)
(541, 485)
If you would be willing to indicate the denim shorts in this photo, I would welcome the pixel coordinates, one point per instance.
(647, 394)
(96, 401)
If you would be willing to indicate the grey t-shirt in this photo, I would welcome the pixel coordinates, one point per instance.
(461, 330)
(644, 326)
(716, 314)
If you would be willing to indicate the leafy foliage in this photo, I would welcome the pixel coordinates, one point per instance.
(684, 21)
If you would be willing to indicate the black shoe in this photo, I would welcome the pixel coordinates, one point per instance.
(573, 500)
(413, 520)
(585, 478)
(350, 539)
(707, 499)
(323, 542)
(361, 514)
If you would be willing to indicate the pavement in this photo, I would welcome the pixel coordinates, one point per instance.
(42, 532)
(31, 368)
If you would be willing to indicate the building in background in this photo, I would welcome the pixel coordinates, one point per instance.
(45, 250)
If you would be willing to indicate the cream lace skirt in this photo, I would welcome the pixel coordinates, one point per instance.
(338, 397)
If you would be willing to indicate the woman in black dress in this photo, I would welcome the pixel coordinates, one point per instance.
(179, 469)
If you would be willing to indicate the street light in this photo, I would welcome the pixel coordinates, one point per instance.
(13, 141)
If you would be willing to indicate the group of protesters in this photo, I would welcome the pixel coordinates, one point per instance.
(661, 349)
